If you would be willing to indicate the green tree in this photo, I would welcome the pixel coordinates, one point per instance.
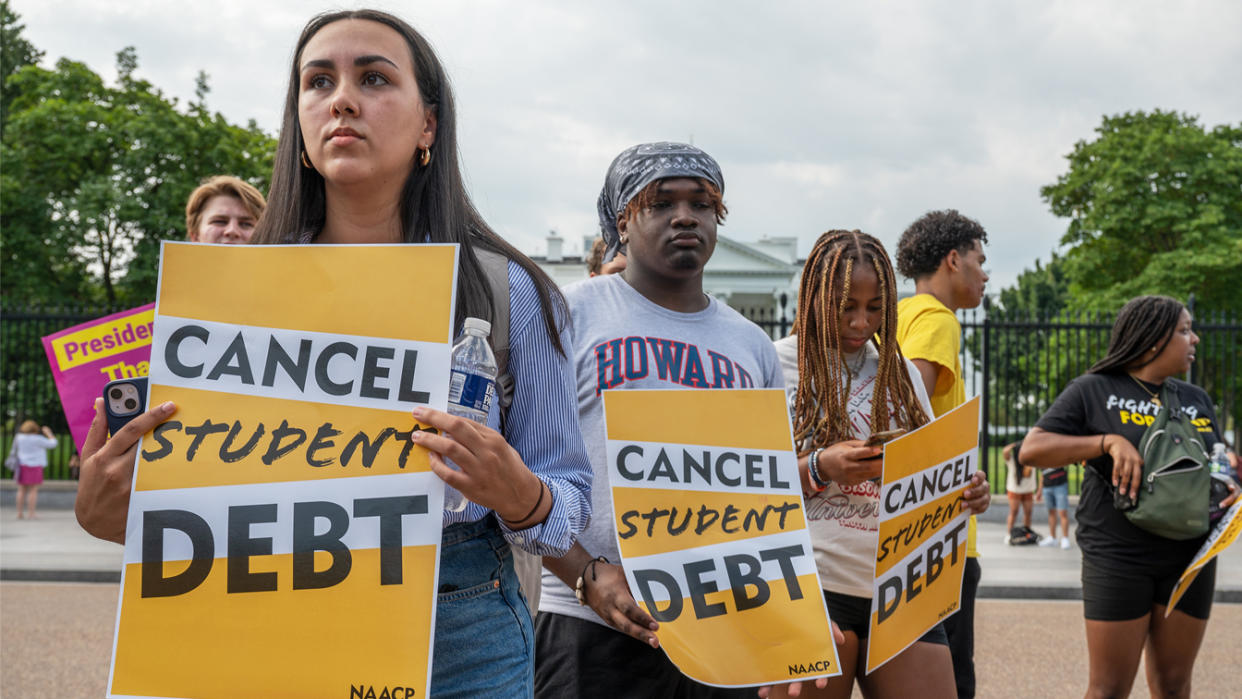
(1032, 346)
(95, 176)
(15, 53)
(1042, 291)
(1155, 207)
(1154, 204)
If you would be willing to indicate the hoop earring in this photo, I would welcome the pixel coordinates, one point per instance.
(426, 157)
(306, 162)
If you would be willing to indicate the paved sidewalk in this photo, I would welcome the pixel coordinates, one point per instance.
(54, 548)
(58, 643)
(1036, 572)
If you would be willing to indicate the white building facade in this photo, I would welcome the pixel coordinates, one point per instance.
(758, 279)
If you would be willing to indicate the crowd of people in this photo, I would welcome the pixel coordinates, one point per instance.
(368, 154)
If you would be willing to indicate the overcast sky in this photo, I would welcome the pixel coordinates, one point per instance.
(822, 115)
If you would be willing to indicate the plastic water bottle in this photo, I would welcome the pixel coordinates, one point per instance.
(472, 385)
(1222, 477)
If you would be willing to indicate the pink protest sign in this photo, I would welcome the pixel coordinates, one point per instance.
(86, 357)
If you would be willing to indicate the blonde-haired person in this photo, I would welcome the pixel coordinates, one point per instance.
(30, 447)
(597, 266)
(223, 209)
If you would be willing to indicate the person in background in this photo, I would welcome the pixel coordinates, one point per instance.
(596, 265)
(30, 445)
(1055, 486)
(1020, 485)
(943, 253)
(223, 209)
(1128, 574)
(75, 466)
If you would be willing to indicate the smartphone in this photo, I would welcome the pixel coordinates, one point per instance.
(1123, 503)
(878, 438)
(124, 400)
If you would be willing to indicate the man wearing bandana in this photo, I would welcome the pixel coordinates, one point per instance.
(649, 327)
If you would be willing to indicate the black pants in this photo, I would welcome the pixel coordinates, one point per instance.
(961, 630)
(576, 658)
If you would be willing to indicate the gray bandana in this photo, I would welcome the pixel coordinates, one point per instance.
(639, 166)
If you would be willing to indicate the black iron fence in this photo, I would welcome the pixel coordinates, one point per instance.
(776, 321)
(27, 390)
(1018, 363)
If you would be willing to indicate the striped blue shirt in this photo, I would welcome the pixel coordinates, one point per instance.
(542, 425)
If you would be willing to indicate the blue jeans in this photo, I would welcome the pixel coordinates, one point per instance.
(484, 643)
(1056, 497)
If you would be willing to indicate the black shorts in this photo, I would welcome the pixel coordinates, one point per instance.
(576, 658)
(1112, 595)
(854, 614)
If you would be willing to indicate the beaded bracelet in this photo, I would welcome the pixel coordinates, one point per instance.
(580, 588)
(813, 467)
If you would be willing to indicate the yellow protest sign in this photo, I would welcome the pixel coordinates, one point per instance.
(921, 551)
(283, 534)
(1222, 537)
(712, 533)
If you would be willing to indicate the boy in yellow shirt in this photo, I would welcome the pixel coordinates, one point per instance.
(943, 253)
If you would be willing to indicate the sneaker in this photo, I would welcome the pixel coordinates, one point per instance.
(1065, 544)
(1050, 541)
(1007, 539)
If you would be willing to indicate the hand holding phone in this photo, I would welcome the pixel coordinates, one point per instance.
(878, 438)
(124, 400)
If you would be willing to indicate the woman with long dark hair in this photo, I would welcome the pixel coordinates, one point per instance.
(368, 154)
(1128, 573)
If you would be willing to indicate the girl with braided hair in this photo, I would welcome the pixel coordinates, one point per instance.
(847, 379)
(1128, 574)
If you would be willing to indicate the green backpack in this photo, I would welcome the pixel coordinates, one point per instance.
(1173, 497)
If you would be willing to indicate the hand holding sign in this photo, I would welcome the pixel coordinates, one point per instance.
(491, 472)
(921, 547)
(609, 596)
(1234, 493)
(794, 689)
(978, 495)
(286, 486)
(102, 504)
(712, 533)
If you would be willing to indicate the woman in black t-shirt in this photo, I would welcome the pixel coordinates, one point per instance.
(1128, 574)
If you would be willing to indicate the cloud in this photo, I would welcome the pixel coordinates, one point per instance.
(823, 115)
